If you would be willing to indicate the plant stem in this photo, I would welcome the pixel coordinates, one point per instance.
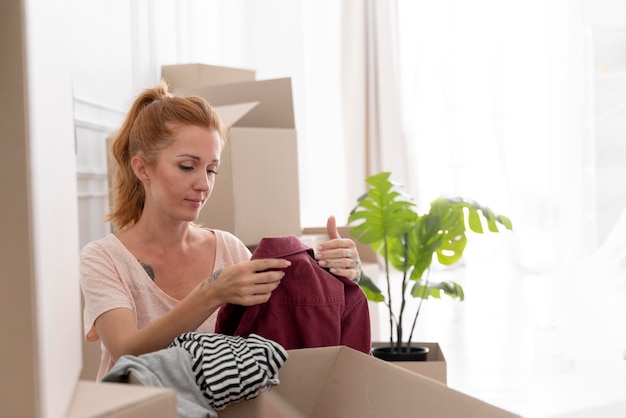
(386, 250)
(419, 307)
(404, 286)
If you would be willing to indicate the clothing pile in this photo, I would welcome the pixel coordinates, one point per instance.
(209, 371)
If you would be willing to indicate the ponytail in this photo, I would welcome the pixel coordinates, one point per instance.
(146, 130)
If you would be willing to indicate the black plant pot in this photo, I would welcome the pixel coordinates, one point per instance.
(387, 353)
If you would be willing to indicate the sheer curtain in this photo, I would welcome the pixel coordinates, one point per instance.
(481, 99)
(491, 104)
(370, 75)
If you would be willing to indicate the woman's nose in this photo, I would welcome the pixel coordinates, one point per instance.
(203, 182)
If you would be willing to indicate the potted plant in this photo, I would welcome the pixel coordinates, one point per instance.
(387, 221)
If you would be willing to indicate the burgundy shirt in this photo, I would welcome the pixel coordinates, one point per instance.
(310, 308)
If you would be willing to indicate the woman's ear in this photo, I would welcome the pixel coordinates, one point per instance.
(140, 168)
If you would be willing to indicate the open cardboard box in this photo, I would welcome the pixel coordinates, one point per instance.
(114, 400)
(257, 190)
(434, 367)
(341, 382)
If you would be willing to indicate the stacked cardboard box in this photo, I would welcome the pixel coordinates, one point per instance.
(257, 190)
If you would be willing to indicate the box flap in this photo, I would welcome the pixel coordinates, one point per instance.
(189, 75)
(96, 399)
(340, 382)
(366, 386)
(275, 109)
(230, 114)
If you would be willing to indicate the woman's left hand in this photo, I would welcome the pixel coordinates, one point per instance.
(339, 254)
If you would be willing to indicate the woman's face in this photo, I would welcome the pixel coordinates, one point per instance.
(183, 177)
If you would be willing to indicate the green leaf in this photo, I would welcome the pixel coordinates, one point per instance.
(434, 290)
(505, 221)
(423, 240)
(372, 292)
(451, 250)
(473, 219)
(381, 215)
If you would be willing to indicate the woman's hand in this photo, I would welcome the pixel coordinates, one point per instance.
(339, 254)
(248, 283)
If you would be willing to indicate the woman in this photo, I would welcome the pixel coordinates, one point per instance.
(160, 275)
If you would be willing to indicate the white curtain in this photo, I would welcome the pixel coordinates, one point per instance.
(480, 99)
(491, 103)
(371, 99)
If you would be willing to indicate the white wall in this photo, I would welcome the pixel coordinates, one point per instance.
(118, 48)
(40, 361)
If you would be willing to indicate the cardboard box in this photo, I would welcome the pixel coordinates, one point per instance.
(113, 400)
(341, 382)
(257, 193)
(191, 75)
(434, 367)
(274, 98)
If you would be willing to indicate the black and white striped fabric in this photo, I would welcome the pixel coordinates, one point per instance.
(229, 369)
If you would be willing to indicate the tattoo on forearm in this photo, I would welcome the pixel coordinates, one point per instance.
(213, 277)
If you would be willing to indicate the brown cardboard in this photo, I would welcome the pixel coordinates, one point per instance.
(257, 190)
(434, 367)
(341, 382)
(275, 108)
(113, 400)
(190, 75)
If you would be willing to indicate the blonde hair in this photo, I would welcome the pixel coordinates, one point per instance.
(148, 129)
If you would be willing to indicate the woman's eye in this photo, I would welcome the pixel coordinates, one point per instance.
(185, 167)
(210, 171)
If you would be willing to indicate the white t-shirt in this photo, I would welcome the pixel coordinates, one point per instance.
(111, 277)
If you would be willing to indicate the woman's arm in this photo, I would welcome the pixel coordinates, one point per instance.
(246, 283)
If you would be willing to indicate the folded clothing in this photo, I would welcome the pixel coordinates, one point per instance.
(228, 369)
(167, 368)
(208, 371)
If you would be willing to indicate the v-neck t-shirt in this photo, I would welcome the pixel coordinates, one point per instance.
(111, 278)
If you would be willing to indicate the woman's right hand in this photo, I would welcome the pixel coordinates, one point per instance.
(248, 283)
